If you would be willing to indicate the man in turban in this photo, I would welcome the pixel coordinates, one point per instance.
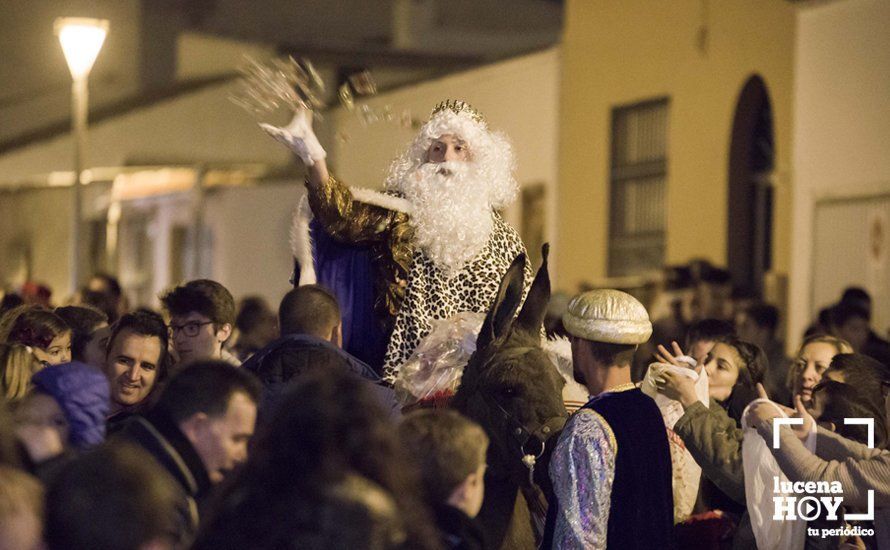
(611, 468)
(437, 243)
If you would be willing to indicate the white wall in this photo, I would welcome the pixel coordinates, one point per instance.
(204, 126)
(841, 128)
(519, 96)
(250, 227)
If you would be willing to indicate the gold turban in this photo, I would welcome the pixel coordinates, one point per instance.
(609, 316)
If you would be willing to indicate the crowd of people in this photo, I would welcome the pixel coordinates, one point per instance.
(140, 433)
(211, 425)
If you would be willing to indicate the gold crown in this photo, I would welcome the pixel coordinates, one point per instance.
(457, 107)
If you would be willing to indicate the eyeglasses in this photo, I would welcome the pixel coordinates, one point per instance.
(191, 329)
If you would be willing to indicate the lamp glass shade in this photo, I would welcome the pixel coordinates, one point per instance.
(81, 41)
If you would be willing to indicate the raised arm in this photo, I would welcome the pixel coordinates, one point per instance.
(334, 207)
(857, 474)
(715, 442)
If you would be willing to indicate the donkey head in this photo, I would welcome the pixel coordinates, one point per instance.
(510, 386)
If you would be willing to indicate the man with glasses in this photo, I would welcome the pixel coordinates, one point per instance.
(202, 314)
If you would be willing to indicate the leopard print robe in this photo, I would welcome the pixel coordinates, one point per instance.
(431, 295)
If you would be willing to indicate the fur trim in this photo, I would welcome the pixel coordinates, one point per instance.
(559, 349)
(301, 242)
(376, 198)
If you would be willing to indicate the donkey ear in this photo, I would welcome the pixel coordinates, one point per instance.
(532, 315)
(500, 314)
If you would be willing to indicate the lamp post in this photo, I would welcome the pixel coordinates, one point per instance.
(81, 41)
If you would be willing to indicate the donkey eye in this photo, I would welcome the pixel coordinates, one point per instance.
(510, 391)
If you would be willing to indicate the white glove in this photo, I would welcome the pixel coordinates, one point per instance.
(299, 137)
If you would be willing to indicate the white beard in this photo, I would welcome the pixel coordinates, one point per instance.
(451, 212)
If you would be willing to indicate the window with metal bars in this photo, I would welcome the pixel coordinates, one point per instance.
(637, 187)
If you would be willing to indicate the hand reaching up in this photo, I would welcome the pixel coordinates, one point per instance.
(299, 137)
(766, 412)
(674, 385)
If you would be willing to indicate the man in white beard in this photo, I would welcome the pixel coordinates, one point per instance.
(452, 220)
(438, 244)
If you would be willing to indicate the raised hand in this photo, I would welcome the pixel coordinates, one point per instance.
(677, 386)
(299, 137)
(766, 412)
(672, 357)
(800, 411)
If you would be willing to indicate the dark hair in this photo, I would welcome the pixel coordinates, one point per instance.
(752, 369)
(698, 268)
(842, 313)
(203, 296)
(352, 512)
(33, 326)
(83, 320)
(207, 387)
(610, 354)
(285, 364)
(114, 497)
(104, 302)
(716, 276)
(716, 330)
(843, 400)
(114, 287)
(764, 316)
(251, 312)
(744, 292)
(308, 309)
(864, 373)
(330, 425)
(856, 295)
(677, 277)
(755, 361)
(143, 323)
(10, 300)
(446, 445)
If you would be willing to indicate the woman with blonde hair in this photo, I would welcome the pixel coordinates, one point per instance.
(17, 365)
(811, 361)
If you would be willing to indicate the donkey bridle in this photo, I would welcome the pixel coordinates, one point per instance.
(522, 433)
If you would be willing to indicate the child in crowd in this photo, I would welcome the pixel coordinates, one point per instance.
(48, 336)
(450, 452)
(89, 333)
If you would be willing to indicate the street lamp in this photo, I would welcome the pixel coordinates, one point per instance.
(81, 40)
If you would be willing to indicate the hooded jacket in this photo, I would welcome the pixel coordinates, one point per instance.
(83, 394)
